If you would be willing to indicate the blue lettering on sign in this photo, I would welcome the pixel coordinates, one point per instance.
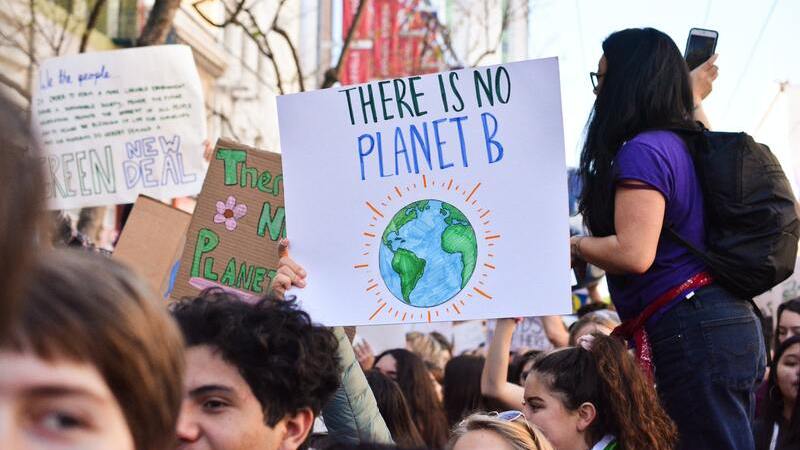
(441, 146)
(141, 168)
(99, 74)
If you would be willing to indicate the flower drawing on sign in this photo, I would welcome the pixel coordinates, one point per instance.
(229, 213)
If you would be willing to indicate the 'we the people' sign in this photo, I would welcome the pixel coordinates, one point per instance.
(120, 123)
(430, 198)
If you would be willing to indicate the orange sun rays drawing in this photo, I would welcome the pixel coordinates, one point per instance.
(467, 220)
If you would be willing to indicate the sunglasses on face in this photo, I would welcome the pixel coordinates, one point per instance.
(508, 416)
(595, 79)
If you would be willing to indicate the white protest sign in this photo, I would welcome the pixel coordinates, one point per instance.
(430, 198)
(120, 123)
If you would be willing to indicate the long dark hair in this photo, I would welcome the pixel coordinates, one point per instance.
(607, 377)
(792, 305)
(518, 365)
(462, 387)
(394, 409)
(417, 386)
(772, 407)
(646, 86)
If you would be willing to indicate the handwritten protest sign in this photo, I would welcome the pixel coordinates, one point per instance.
(239, 217)
(119, 123)
(152, 242)
(430, 198)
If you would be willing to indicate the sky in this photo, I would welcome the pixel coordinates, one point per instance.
(750, 67)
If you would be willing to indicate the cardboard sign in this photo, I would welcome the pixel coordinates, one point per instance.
(152, 241)
(120, 123)
(430, 198)
(238, 220)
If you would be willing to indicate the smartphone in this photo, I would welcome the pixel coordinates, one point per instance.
(700, 46)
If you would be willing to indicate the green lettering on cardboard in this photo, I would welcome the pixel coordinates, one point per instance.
(263, 182)
(271, 276)
(275, 223)
(208, 269)
(249, 177)
(231, 158)
(207, 241)
(258, 278)
(229, 277)
(245, 278)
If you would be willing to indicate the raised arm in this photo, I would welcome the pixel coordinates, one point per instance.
(556, 331)
(352, 415)
(495, 372)
(703, 77)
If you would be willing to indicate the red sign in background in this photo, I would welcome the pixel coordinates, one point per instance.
(394, 38)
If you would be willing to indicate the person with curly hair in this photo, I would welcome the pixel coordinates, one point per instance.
(594, 396)
(257, 375)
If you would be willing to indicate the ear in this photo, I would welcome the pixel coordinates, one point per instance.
(297, 428)
(586, 415)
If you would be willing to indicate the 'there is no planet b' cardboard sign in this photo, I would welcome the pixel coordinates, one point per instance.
(434, 198)
(238, 220)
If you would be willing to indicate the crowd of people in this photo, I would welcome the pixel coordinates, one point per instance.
(90, 359)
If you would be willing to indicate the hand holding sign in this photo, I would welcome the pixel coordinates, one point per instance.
(427, 198)
(289, 272)
(239, 215)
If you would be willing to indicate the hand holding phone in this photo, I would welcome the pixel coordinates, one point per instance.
(700, 46)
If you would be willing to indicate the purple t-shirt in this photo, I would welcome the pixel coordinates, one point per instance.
(660, 159)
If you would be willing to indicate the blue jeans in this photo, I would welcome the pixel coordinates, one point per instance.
(708, 353)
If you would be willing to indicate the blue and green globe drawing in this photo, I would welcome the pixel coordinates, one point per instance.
(428, 253)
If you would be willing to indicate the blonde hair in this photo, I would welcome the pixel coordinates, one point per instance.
(517, 433)
(433, 353)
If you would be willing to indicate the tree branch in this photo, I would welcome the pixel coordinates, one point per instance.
(282, 33)
(15, 86)
(159, 22)
(232, 15)
(225, 120)
(332, 74)
(90, 24)
(503, 26)
(260, 37)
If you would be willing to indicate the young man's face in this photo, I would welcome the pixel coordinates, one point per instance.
(220, 411)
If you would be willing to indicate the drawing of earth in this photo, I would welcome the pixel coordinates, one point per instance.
(428, 253)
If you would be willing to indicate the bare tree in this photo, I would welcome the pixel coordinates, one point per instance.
(487, 30)
(159, 23)
(242, 15)
(32, 30)
(91, 23)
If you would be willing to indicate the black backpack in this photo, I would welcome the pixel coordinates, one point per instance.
(752, 225)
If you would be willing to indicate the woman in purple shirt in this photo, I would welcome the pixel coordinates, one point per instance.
(704, 343)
